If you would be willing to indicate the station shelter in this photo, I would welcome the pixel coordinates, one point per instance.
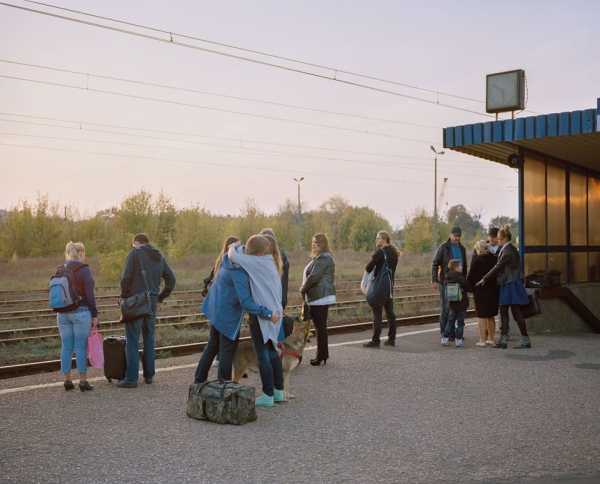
(557, 157)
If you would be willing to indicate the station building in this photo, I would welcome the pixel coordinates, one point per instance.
(557, 157)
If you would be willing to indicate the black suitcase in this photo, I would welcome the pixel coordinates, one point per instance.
(115, 362)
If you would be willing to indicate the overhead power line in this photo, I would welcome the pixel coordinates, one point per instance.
(214, 109)
(88, 75)
(252, 167)
(240, 142)
(172, 40)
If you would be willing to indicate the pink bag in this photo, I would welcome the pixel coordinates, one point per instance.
(95, 351)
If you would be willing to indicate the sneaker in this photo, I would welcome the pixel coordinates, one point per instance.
(489, 342)
(481, 344)
(265, 401)
(148, 381)
(279, 396)
(390, 342)
(444, 341)
(371, 344)
(460, 343)
(127, 384)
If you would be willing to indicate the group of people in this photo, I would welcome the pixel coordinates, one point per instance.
(253, 278)
(495, 280)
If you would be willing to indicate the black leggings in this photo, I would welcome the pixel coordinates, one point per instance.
(319, 317)
(517, 314)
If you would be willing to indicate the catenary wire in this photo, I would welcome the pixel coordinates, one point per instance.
(173, 41)
(214, 109)
(215, 94)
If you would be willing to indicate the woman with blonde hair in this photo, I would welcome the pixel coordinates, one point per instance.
(486, 297)
(74, 323)
(318, 291)
(507, 273)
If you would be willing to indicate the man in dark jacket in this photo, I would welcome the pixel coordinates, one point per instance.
(449, 250)
(143, 257)
(285, 273)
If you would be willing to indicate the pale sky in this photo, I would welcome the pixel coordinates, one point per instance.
(445, 46)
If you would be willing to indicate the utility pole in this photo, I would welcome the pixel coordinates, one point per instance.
(299, 214)
(435, 201)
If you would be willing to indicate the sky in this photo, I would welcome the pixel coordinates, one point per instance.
(109, 145)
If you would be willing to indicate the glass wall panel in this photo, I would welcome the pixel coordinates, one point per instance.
(535, 262)
(558, 261)
(594, 261)
(594, 210)
(557, 205)
(534, 173)
(578, 199)
(579, 267)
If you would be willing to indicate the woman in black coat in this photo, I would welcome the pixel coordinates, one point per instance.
(486, 297)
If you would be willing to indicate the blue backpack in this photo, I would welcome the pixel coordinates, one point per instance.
(62, 293)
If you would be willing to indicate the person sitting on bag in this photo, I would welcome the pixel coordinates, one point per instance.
(228, 298)
(75, 324)
(385, 253)
(458, 301)
(143, 257)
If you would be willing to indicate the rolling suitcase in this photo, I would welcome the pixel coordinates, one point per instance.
(115, 362)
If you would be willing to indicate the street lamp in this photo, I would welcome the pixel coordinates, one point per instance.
(298, 181)
(435, 207)
(299, 215)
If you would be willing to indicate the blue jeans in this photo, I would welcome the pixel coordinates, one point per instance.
(455, 317)
(74, 328)
(444, 309)
(146, 326)
(269, 363)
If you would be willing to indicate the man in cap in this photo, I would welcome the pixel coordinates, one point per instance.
(449, 250)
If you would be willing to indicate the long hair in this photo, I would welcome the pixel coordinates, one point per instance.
(505, 233)
(382, 234)
(275, 252)
(323, 243)
(228, 241)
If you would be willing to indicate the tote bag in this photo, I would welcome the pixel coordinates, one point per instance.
(380, 289)
(95, 349)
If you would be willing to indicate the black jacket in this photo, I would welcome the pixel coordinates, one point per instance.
(377, 260)
(84, 285)
(508, 267)
(156, 267)
(442, 257)
(320, 277)
(459, 278)
(486, 297)
(285, 278)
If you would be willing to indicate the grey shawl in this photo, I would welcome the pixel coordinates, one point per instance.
(265, 284)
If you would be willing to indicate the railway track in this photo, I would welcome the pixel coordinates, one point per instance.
(12, 371)
(20, 335)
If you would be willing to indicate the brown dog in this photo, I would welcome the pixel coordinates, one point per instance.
(290, 351)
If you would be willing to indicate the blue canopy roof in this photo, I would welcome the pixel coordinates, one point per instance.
(571, 136)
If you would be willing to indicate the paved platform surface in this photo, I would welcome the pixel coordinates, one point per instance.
(418, 413)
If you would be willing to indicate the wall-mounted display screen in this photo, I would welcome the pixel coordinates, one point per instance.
(505, 91)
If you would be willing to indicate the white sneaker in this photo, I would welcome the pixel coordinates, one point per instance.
(460, 343)
(489, 342)
(480, 344)
(444, 341)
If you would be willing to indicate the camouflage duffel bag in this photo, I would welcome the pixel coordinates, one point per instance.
(221, 402)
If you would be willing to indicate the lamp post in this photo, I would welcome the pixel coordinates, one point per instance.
(299, 214)
(435, 207)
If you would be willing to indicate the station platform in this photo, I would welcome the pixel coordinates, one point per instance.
(417, 413)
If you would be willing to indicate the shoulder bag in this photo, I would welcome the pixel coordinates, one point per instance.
(138, 305)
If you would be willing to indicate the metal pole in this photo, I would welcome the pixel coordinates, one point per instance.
(435, 216)
(299, 203)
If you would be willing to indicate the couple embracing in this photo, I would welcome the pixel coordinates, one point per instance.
(247, 279)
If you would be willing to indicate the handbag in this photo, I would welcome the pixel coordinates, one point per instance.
(138, 305)
(380, 289)
(365, 283)
(95, 348)
(453, 292)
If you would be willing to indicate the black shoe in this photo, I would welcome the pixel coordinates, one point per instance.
(317, 362)
(502, 346)
(522, 346)
(126, 384)
(148, 381)
(69, 385)
(371, 344)
(85, 386)
(390, 342)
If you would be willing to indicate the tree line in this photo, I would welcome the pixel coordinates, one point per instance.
(41, 228)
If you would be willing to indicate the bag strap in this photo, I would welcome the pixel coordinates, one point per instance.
(139, 258)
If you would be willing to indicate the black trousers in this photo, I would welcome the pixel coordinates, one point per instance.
(319, 318)
(517, 314)
(225, 348)
(378, 320)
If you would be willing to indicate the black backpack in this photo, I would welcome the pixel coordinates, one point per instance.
(380, 289)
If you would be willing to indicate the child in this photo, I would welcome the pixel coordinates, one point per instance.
(458, 302)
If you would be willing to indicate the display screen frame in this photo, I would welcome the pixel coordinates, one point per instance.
(517, 98)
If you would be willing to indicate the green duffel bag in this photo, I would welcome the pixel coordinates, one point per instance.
(222, 402)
